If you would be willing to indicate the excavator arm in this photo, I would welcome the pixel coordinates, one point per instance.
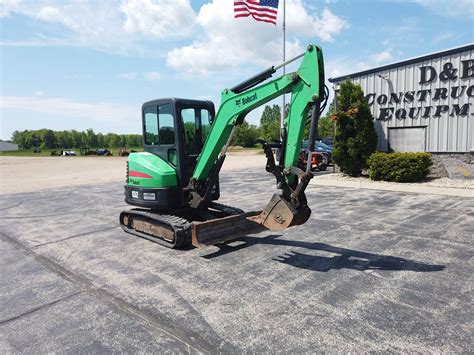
(306, 86)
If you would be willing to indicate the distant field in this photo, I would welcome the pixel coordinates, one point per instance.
(47, 152)
(238, 148)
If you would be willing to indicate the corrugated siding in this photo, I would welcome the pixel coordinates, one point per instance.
(6, 146)
(443, 134)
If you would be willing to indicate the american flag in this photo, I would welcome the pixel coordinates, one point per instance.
(260, 10)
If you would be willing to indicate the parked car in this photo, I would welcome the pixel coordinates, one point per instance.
(68, 153)
(329, 141)
(321, 148)
(103, 151)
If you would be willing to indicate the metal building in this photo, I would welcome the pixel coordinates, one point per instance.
(424, 103)
(7, 146)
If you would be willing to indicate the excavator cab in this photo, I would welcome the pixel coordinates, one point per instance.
(174, 131)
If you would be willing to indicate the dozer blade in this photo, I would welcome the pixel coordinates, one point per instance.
(280, 214)
(220, 230)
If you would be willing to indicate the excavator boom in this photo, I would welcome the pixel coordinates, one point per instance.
(306, 86)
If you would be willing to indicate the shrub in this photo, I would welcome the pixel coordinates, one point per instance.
(356, 138)
(399, 167)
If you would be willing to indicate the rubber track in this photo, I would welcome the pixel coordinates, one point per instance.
(226, 209)
(180, 226)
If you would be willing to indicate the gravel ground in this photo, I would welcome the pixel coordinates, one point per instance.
(27, 174)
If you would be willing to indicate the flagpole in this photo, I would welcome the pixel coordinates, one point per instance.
(283, 111)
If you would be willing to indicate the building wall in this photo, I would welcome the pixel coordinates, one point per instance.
(6, 146)
(449, 125)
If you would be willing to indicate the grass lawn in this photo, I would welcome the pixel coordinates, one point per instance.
(47, 152)
(237, 148)
(115, 151)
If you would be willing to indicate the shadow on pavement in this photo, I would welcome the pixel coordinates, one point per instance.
(346, 258)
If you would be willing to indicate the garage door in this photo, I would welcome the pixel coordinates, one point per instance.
(410, 139)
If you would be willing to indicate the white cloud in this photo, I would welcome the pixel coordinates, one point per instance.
(457, 8)
(228, 42)
(344, 65)
(128, 76)
(159, 18)
(7, 7)
(64, 107)
(152, 75)
(149, 75)
(98, 25)
(382, 57)
(444, 36)
(302, 23)
(134, 26)
(54, 14)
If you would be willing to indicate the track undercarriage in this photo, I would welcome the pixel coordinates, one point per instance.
(174, 229)
(217, 223)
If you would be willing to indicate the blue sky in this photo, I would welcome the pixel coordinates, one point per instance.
(79, 64)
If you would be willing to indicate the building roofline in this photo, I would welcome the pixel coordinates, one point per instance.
(404, 62)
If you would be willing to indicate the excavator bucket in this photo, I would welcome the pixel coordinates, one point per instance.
(280, 214)
(224, 229)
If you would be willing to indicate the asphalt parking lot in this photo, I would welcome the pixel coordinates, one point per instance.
(370, 271)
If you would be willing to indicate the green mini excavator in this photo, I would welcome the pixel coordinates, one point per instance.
(174, 183)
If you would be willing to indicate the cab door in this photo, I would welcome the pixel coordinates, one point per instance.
(159, 131)
(196, 124)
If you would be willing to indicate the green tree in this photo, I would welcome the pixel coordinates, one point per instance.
(100, 140)
(269, 114)
(246, 135)
(134, 140)
(20, 138)
(326, 123)
(76, 138)
(64, 139)
(123, 140)
(325, 127)
(33, 139)
(48, 138)
(114, 140)
(91, 138)
(16, 137)
(270, 123)
(84, 142)
(356, 138)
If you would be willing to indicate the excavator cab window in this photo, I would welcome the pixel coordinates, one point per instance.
(196, 127)
(191, 131)
(159, 125)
